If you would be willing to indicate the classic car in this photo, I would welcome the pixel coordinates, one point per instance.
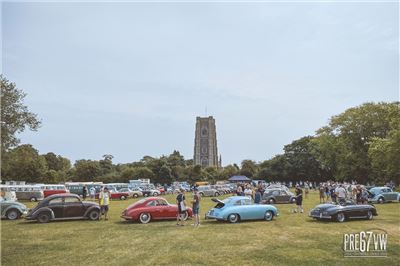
(116, 194)
(207, 191)
(11, 209)
(152, 208)
(382, 195)
(239, 208)
(64, 207)
(278, 195)
(149, 191)
(134, 193)
(344, 211)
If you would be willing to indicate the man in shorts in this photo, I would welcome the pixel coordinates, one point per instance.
(104, 201)
(196, 207)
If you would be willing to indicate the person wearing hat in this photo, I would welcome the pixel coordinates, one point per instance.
(196, 206)
(104, 200)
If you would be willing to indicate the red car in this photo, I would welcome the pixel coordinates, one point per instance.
(49, 190)
(153, 208)
(116, 195)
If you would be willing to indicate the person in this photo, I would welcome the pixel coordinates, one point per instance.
(333, 193)
(104, 200)
(257, 196)
(239, 190)
(92, 193)
(321, 193)
(196, 207)
(341, 193)
(364, 195)
(180, 201)
(299, 199)
(84, 192)
(306, 189)
(248, 192)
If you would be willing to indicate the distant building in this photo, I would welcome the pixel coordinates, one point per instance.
(205, 143)
(15, 183)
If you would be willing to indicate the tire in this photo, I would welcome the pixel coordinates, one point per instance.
(340, 217)
(186, 216)
(155, 194)
(13, 214)
(135, 195)
(144, 218)
(43, 217)
(216, 194)
(268, 216)
(122, 197)
(94, 215)
(381, 200)
(201, 194)
(370, 216)
(293, 200)
(233, 218)
(33, 199)
(271, 201)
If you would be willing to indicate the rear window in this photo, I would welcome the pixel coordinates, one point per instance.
(137, 203)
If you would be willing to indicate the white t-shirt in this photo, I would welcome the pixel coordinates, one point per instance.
(248, 192)
(341, 191)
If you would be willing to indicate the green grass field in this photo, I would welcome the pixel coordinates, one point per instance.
(290, 239)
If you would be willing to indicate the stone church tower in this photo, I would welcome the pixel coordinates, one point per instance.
(205, 142)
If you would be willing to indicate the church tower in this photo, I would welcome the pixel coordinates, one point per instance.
(205, 142)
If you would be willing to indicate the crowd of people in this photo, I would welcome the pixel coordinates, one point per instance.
(340, 192)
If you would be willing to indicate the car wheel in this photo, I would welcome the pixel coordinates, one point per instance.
(216, 194)
(33, 199)
(271, 201)
(144, 218)
(293, 200)
(340, 217)
(201, 194)
(135, 195)
(268, 215)
(233, 218)
(13, 214)
(123, 198)
(381, 200)
(43, 217)
(369, 215)
(94, 215)
(155, 194)
(185, 216)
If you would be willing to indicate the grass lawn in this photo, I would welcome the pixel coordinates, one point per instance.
(290, 239)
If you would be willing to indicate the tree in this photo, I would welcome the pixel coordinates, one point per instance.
(24, 163)
(15, 116)
(57, 162)
(249, 168)
(87, 170)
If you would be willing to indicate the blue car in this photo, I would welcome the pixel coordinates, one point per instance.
(383, 194)
(239, 208)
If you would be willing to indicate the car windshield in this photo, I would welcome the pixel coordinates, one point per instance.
(374, 191)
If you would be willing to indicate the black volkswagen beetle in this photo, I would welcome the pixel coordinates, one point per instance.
(343, 211)
(64, 207)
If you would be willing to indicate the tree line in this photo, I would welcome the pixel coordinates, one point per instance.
(361, 144)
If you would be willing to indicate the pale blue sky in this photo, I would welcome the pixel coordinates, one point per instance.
(129, 79)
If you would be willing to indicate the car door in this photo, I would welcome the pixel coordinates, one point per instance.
(390, 195)
(166, 211)
(73, 207)
(153, 209)
(57, 206)
(284, 197)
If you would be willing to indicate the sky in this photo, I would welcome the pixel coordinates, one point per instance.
(129, 79)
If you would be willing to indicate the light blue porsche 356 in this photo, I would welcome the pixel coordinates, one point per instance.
(239, 208)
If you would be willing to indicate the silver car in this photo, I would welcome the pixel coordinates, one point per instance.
(207, 191)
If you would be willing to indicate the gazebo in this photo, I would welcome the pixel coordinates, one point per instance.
(239, 178)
